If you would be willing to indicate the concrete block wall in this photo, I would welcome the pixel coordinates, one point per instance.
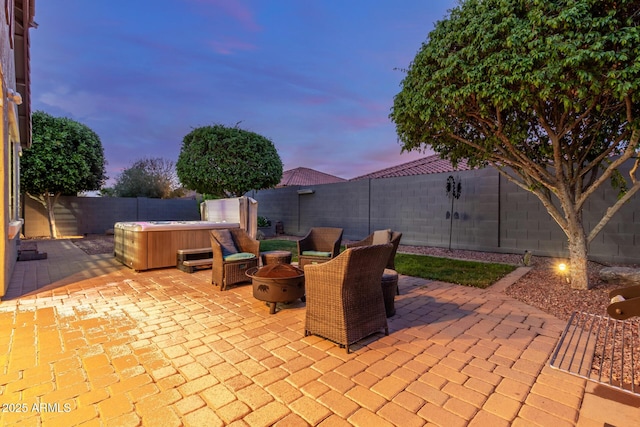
(420, 207)
(282, 206)
(493, 214)
(35, 218)
(335, 206)
(404, 204)
(526, 225)
(417, 205)
(76, 216)
(168, 209)
(619, 240)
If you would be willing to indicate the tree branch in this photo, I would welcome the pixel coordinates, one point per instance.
(606, 153)
(628, 153)
(513, 159)
(557, 216)
(612, 210)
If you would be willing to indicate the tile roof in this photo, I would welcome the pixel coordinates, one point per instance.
(306, 176)
(426, 165)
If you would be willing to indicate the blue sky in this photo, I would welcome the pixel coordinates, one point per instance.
(316, 77)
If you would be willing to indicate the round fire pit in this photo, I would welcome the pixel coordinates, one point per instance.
(277, 283)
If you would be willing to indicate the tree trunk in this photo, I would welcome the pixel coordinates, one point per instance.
(50, 203)
(578, 274)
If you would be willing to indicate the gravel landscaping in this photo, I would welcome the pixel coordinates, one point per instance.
(542, 287)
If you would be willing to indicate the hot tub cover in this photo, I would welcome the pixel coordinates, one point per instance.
(172, 225)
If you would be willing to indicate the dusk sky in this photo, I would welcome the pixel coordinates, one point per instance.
(315, 77)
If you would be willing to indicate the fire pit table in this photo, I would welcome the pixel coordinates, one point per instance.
(276, 283)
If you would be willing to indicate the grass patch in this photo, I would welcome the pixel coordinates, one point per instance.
(468, 273)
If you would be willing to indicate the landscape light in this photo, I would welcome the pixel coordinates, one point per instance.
(564, 270)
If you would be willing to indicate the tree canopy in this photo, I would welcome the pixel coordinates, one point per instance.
(66, 157)
(227, 161)
(546, 91)
(148, 177)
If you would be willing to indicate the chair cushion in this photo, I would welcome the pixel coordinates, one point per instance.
(381, 237)
(225, 239)
(316, 253)
(238, 256)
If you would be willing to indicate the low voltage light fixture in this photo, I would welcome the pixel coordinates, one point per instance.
(564, 271)
(306, 191)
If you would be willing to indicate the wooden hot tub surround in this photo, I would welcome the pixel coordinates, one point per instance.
(154, 244)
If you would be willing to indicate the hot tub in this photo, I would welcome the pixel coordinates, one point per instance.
(154, 244)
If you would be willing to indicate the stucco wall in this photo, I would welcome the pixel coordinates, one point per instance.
(7, 81)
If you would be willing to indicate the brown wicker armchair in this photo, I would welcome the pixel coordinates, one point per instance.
(227, 268)
(319, 239)
(394, 238)
(344, 295)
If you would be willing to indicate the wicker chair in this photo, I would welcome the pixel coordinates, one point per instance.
(226, 272)
(393, 239)
(319, 239)
(344, 295)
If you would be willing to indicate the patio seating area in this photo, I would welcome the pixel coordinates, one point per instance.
(87, 341)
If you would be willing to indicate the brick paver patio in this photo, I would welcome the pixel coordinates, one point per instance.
(87, 341)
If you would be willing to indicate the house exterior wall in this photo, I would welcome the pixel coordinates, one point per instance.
(7, 245)
(10, 140)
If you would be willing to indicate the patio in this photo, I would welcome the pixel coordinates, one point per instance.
(87, 341)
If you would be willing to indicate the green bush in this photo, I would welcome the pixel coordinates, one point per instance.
(263, 221)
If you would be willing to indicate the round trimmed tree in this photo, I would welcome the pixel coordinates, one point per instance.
(227, 161)
(65, 158)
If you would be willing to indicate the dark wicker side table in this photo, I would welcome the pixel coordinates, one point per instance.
(275, 257)
(389, 289)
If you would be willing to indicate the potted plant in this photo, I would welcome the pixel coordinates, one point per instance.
(265, 227)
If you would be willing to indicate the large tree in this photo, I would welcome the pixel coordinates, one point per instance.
(545, 91)
(148, 177)
(227, 161)
(66, 157)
